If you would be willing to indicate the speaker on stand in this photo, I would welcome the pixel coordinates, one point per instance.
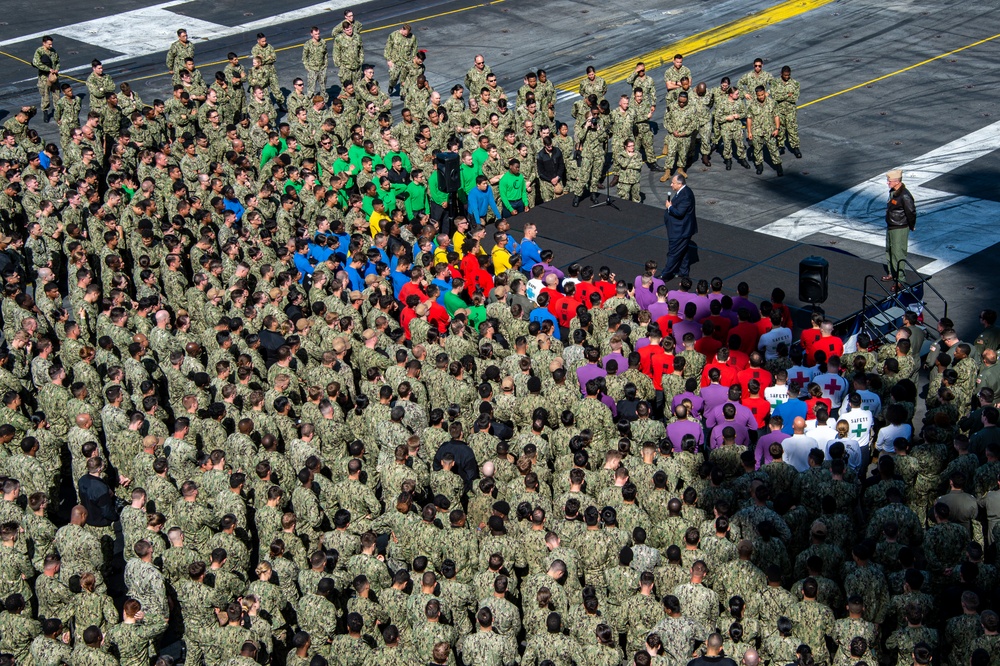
(814, 275)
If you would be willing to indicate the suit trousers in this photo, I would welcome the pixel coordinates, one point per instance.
(678, 257)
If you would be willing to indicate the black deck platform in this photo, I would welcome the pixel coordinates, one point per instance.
(625, 239)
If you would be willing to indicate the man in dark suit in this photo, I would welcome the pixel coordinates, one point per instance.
(681, 223)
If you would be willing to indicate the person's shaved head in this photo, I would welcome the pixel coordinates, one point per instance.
(751, 658)
(83, 420)
(79, 515)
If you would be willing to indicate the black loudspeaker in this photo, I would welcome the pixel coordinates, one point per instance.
(449, 178)
(813, 280)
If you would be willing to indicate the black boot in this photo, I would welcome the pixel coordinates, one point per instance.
(743, 163)
(797, 152)
(594, 196)
(781, 172)
(653, 166)
(760, 169)
(781, 151)
(576, 201)
(704, 160)
(729, 165)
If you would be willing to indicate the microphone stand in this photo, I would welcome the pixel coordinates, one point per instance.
(608, 201)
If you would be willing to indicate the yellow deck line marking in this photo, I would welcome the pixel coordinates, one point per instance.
(703, 40)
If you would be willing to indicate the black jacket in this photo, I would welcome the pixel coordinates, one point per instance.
(465, 460)
(270, 343)
(99, 501)
(900, 212)
(550, 166)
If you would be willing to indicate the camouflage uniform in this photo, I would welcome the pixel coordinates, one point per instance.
(80, 550)
(457, 545)
(622, 128)
(400, 50)
(197, 601)
(905, 639)
(944, 546)
(506, 619)
(197, 521)
(730, 131)
(678, 636)
(270, 75)
(93, 608)
(683, 121)
(761, 116)
(99, 88)
(592, 136)
(813, 622)
(132, 642)
(601, 655)
(348, 54)
(629, 168)
(778, 649)
(558, 648)
(426, 635)
(959, 633)
(392, 656)
(375, 570)
(84, 655)
(176, 562)
(15, 568)
(639, 615)
(869, 583)
(346, 650)
(46, 651)
(17, 631)
(486, 648)
(314, 59)
(845, 630)
(596, 552)
(786, 97)
(317, 615)
(699, 602)
(989, 643)
(739, 578)
(145, 585)
(771, 604)
(911, 532)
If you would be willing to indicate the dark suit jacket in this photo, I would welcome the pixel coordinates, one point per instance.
(680, 218)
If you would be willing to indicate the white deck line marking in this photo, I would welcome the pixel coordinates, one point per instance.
(950, 227)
